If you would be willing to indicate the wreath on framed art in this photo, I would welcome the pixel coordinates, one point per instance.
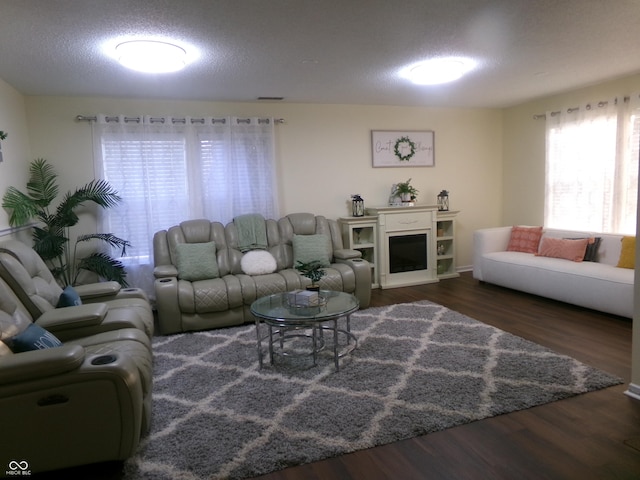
(402, 144)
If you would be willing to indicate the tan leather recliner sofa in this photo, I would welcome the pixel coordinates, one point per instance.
(29, 277)
(185, 305)
(85, 401)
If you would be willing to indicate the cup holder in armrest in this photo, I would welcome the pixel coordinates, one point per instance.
(357, 260)
(104, 360)
(165, 280)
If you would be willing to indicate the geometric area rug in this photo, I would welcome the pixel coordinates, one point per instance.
(419, 368)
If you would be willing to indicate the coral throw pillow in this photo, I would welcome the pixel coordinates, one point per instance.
(567, 249)
(524, 239)
(628, 253)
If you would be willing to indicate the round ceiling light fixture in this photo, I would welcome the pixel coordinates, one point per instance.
(439, 70)
(151, 56)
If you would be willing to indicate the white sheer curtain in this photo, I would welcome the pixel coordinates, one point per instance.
(168, 170)
(592, 167)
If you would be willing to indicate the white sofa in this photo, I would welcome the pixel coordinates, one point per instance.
(599, 285)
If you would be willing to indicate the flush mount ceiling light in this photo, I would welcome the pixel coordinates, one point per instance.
(151, 56)
(439, 70)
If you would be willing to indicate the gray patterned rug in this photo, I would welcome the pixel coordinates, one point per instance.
(418, 368)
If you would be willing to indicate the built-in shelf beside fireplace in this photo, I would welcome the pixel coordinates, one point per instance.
(406, 246)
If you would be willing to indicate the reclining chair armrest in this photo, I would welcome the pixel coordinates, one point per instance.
(98, 289)
(362, 270)
(168, 305)
(35, 364)
(69, 318)
(346, 254)
(165, 271)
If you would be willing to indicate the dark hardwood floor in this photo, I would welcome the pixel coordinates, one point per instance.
(590, 436)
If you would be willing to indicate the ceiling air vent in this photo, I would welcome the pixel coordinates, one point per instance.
(270, 98)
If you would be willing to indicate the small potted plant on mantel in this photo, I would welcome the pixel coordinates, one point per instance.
(313, 270)
(407, 192)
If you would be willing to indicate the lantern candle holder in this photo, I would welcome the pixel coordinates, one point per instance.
(443, 201)
(357, 205)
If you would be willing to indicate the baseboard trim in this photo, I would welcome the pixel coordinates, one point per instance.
(633, 391)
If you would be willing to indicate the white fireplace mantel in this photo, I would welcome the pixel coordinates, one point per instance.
(403, 221)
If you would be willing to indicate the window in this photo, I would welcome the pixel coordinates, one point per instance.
(169, 170)
(592, 168)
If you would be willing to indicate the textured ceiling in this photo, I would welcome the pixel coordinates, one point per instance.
(322, 51)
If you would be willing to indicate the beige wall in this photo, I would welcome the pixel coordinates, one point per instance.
(324, 152)
(15, 149)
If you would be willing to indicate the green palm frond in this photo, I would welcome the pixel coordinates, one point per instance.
(109, 238)
(97, 191)
(42, 185)
(22, 207)
(49, 244)
(105, 267)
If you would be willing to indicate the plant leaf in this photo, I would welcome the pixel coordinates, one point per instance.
(42, 185)
(23, 208)
(105, 267)
(109, 238)
(48, 243)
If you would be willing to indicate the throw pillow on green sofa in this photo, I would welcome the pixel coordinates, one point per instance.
(309, 248)
(196, 261)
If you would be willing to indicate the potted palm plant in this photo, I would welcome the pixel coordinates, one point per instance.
(313, 270)
(51, 235)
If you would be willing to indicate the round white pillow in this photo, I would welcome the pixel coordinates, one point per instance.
(258, 262)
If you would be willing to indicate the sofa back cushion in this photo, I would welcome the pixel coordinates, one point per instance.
(14, 318)
(280, 235)
(29, 276)
(192, 232)
(306, 224)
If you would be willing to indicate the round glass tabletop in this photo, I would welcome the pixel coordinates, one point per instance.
(280, 307)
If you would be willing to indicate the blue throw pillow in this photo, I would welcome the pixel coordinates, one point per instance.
(69, 297)
(34, 337)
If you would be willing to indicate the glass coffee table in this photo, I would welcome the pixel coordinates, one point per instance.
(285, 321)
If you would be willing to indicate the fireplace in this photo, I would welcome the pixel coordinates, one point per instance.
(407, 253)
(406, 239)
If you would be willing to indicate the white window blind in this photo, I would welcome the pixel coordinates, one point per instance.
(169, 170)
(592, 168)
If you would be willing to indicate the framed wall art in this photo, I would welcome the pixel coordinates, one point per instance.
(403, 148)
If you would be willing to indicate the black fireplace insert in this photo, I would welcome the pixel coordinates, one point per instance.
(407, 253)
